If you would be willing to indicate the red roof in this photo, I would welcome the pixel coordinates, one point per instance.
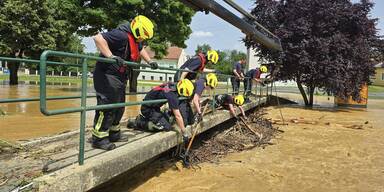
(173, 53)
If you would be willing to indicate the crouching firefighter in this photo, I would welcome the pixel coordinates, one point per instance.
(110, 79)
(227, 102)
(206, 82)
(153, 119)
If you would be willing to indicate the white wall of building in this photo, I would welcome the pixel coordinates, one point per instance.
(164, 63)
(182, 58)
(252, 60)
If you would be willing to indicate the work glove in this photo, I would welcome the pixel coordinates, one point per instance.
(153, 65)
(198, 117)
(120, 63)
(186, 136)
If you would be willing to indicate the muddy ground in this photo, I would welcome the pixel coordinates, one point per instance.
(321, 149)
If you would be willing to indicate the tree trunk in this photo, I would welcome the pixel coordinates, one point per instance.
(311, 91)
(13, 68)
(303, 94)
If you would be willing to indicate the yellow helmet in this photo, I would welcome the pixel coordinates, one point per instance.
(239, 100)
(185, 87)
(212, 56)
(212, 80)
(142, 27)
(263, 69)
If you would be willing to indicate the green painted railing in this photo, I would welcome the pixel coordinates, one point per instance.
(43, 98)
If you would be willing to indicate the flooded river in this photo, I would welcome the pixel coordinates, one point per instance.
(25, 121)
(333, 150)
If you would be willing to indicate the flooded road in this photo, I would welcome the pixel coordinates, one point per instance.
(25, 121)
(327, 149)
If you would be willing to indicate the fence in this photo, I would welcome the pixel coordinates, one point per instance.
(83, 108)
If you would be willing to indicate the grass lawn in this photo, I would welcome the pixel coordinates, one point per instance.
(58, 79)
(375, 89)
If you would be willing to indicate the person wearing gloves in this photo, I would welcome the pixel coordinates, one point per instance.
(238, 75)
(197, 64)
(228, 102)
(121, 44)
(253, 75)
(153, 119)
(208, 82)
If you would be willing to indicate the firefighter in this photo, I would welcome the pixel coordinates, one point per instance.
(253, 75)
(110, 79)
(153, 119)
(228, 101)
(208, 81)
(197, 64)
(238, 75)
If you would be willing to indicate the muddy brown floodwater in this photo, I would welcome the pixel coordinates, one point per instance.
(321, 149)
(25, 121)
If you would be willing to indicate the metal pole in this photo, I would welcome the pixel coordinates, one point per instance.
(83, 115)
(249, 16)
(228, 79)
(243, 25)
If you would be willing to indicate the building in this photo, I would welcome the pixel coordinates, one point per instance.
(174, 59)
(378, 79)
(252, 59)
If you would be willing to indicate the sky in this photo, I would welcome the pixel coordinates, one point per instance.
(221, 35)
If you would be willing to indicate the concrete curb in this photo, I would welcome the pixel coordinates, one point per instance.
(101, 168)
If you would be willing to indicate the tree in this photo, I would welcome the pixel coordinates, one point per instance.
(328, 44)
(171, 18)
(27, 27)
(54, 24)
(204, 48)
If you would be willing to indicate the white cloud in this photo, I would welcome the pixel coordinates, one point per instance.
(202, 34)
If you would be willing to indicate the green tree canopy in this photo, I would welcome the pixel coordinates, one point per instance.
(27, 27)
(171, 18)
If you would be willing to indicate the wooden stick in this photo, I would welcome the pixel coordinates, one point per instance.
(246, 125)
(195, 131)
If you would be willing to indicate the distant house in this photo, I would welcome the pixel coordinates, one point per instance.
(378, 79)
(174, 59)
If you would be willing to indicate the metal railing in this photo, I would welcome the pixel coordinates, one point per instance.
(44, 62)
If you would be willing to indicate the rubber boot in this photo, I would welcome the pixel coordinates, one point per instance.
(116, 136)
(132, 123)
(155, 127)
(103, 143)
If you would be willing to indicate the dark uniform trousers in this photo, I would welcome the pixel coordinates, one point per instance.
(247, 86)
(133, 75)
(235, 85)
(162, 119)
(109, 89)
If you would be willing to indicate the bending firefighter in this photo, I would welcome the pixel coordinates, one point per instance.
(253, 75)
(122, 43)
(152, 118)
(208, 82)
(197, 64)
(227, 102)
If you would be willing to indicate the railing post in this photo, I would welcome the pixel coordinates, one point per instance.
(228, 79)
(83, 115)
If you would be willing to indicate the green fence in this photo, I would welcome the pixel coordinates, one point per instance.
(44, 61)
